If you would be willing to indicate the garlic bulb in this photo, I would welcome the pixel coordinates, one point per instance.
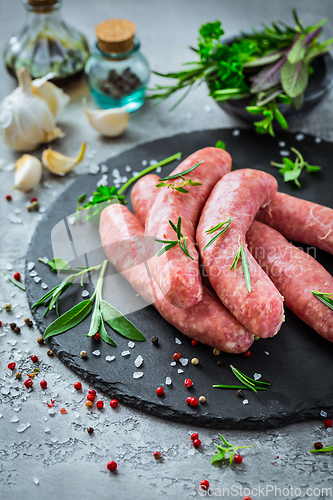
(55, 98)
(25, 118)
(60, 164)
(108, 122)
(28, 173)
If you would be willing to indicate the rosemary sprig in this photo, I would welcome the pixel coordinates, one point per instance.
(327, 449)
(325, 298)
(181, 174)
(247, 382)
(14, 281)
(291, 170)
(181, 186)
(181, 240)
(241, 253)
(225, 223)
(227, 448)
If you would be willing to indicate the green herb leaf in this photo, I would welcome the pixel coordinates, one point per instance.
(325, 298)
(218, 456)
(180, 174)
(69, 319)
(181, 240)
(82, 198)
(118, 322)
(220, 144)
(215, 228)
(56, 264)
(14, 281)
(294, 78)
(246, 269)
(96, 320)
(104, 335)
(228, 448)
(327, 449)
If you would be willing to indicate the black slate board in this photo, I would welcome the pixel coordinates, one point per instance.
(297, 362)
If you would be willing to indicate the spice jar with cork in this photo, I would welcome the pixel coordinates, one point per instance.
(117, 72)
(46, 44)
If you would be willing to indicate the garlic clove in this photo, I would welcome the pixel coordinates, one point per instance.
(60, 164)
(28, 173)
(55, 98)
(108, 122)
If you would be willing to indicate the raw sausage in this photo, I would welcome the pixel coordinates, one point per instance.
(208, 322)
(239, 195)
(295, 274)
(175, 273)
(143, 195)
(300, 220)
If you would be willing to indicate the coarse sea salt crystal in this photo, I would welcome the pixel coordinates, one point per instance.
(131, 344)
(299, 137)
(144, 163)
(44, 286)
(104, 169)
(42, 210)
(14, 420)
(37, 279)
(329, 429)
(153, 162)
(323, 413)
(208, 109)
(23, 427)
(135, 174)
(318, 140)
(138, 374)
(245, 401)
(236, 132)
(110, 358)
(93, 169)
(257, 376)
(183, 361)
(159, 169)
(35, 480)
(282, 144)
(168, 381)
(33, 273)
(125, 354)
(267, 353)
(180, 370)
(96, 353)
(71, 221)
(85, 293)
(178, 341)
(127, 168)
(30, 266)
(284, 152)
(138, 362)
(173, 363)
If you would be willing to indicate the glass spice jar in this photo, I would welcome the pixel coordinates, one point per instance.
(117, 72)
(46, 44)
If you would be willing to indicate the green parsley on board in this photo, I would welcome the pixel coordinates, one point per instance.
(265, 67)
(291, 170)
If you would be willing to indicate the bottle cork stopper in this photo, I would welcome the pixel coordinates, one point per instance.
(115, 35)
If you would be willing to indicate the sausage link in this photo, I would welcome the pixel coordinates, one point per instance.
(295, 274)
(175, 273)
(300, 220)
(209, 322)
(239, 195)
(143, 195)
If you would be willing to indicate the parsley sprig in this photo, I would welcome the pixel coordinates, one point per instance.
(241, 253)
(212, 230)
(291, 170)
(227, 448)
(181, 240)
(247, 382)
(325, 298)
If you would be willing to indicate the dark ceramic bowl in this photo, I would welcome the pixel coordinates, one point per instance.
(320, 82)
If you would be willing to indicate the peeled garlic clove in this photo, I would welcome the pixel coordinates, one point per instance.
(28, 173)
(60, 164)
(108, 122)
(55, 98)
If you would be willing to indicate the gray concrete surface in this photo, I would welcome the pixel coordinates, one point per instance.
(56, 450)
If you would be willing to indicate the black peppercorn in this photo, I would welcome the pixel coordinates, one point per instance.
(318, 445)
(154, 340)
(240, 393)
(90, 430)
(13, 326)
(220, 362)
(17, 330)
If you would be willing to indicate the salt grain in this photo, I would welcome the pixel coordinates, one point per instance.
(180, 370)
(318, 140)
(173, 363)
(282, 144)
(245, 401)
(30, 266)
(131, 344)
(47, 430)
(257, 376)
(178, 341)
(85, 293)
(125, 354)
(236, 132)
(284, 152)
(37, 279)
(14, 420)
(93, 169)
(138, 374)
(35, 480)
(266, 352)
(208, 109)
(110, 358)
(44, 286)
(323, 413)
(127, 168)
(144, 163)
(168, 381)
(71, 220)
(183, 361)
(138, 362)
(104, 169)
(159, 169)
(23, 427)
(96, 353)
(299, 137)
(33, 273)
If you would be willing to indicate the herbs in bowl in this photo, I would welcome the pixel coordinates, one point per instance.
(264, 73)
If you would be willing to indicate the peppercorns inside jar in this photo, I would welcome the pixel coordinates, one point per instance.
(117, 72)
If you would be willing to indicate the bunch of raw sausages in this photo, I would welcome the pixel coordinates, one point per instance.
(220, 311)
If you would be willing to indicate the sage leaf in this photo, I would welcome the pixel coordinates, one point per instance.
(104, 334)
(294, 78)
(69, 319)
(95, 321)
(118, 322)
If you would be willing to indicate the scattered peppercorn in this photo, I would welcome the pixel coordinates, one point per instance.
(238, 459)
(177, 356)
(195, 361)
(49, 353)
(111, 466)
(220, 362)
(12, 326)
(160, 391)
(194, 436)
(97, 336)
(28, 383)
(88, 404)
(157, 454)
(154, 340)
(63, 411)
(247, 498)
(91, 397)
(0, 324)
(18, 375)
(31, 375)
(113, 403)
(43, 384)
(188, 383)
(8, 197)
(17, 330)
(192, 401)
(216, 352)
(12, 365)
(34, 207)
(28, 322)
(33, 199)
(36, 371)
(78, 386)
(7, 306)
(92, 391)
(17, 276)
(318, 445)
(240, 393)
(202, 399)
(34, 358)
(99, 404)
(196, 443)
(40, 340)
(204, 485)
(328, 423)
(90, 430)
(194, 342)
(247, 354)
(83, 354)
